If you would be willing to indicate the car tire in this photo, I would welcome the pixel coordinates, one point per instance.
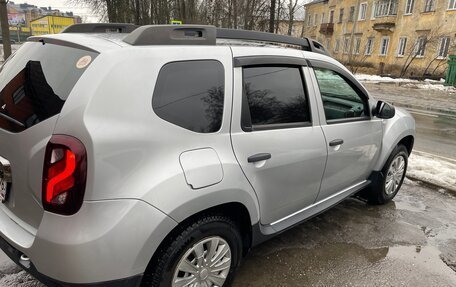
(385, 188)
(210, 236)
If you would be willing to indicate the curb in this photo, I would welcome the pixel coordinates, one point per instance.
(432, 185)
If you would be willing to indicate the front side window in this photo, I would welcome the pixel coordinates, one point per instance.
(191, 95)
(384, 46)
(340, 99)
(275, 96)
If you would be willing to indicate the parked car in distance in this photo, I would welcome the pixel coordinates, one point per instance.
(160, 155)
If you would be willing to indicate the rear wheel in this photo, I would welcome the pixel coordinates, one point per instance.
(205, 253)
(387, 186)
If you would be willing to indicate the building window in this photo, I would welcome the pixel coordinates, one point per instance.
(374, 10)
(328, 44)
(309, 21)
(351, 17)
(357, 46)
(336, 47)
(346, 45)
(341, 15)
(369, 46)
(452, 4)
(429, 6)
(331, 16)
(362, 11)
(401, 47)
(420, 47)
(444, 46)
(386, 8)
(315, 19)
(322, 18)
(409, 7)
(384, 46)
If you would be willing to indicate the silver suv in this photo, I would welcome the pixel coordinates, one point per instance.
(158, 156)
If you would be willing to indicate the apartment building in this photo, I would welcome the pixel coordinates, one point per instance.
(400, 37)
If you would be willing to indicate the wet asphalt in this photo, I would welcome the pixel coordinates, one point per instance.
(408, 242)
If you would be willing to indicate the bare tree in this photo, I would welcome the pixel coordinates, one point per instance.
(5, 28)
(272, 12)
(291, 12)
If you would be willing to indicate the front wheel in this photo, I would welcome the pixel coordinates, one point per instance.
(205, 253)
(385, 189)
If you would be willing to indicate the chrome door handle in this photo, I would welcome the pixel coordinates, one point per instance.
(259, 157)
(336, 142)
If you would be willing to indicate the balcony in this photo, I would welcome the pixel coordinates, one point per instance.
(327, 28)
(384, 26)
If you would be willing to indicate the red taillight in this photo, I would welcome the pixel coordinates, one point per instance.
(64, 175)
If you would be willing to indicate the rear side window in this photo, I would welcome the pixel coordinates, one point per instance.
(37, 80)
(191, 95)
(275, 97)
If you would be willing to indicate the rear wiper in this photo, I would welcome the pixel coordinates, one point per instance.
(10, 119)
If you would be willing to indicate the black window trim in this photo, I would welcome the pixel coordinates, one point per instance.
(268, 60)
(224, 96)
(246, 119)
(354, 84)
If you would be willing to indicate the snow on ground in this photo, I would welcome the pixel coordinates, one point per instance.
(427, 84)
(428, 168)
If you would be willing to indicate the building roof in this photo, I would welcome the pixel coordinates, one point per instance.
(315, 2)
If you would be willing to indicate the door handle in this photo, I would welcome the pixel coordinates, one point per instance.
(336, 142)
(259, 157)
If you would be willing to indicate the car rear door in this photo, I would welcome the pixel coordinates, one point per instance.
(276, 134)
(353, 136)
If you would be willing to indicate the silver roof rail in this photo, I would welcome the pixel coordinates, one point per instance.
(101, 28)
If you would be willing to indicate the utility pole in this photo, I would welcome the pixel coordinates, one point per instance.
(5, 29)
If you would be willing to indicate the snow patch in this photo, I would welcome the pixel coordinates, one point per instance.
(430, 169)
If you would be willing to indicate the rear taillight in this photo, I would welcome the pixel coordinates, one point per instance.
(64, 175)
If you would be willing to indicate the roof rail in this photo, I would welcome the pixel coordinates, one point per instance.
(172, 35)
(207, 35)
(101, 28)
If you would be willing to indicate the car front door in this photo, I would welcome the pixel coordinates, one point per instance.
(353, 136)
(276, 138)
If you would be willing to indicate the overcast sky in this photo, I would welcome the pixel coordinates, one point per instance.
(64, 6)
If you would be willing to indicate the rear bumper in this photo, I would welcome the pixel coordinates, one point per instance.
(15, 255)
(106, 241)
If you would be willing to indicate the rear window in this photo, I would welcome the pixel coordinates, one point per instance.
(37, 80)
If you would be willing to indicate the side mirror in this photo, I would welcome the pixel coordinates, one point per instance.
(384, 110)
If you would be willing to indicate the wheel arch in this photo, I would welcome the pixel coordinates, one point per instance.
(236, 211)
